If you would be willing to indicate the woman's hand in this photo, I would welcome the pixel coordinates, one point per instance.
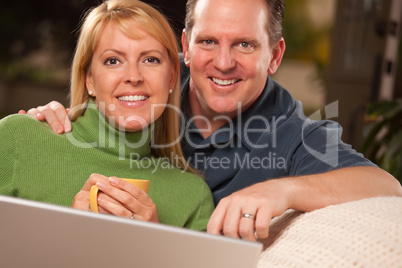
(55, 115)
(117, 197)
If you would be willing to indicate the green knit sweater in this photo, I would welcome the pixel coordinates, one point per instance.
(37, 164)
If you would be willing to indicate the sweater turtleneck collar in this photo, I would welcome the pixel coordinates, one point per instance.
(91, 130)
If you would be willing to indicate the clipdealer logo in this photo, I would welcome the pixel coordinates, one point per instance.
(331, 154)
(107, 138)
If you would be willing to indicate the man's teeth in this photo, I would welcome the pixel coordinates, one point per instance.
(224, 82)
(133, 98)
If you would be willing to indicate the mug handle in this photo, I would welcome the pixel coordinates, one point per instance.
(93, 198)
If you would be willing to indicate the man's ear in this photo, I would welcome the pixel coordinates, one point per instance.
(277, 54)
(185, 46)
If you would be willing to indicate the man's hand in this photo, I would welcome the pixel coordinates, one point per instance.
(261, 202)
(54, 113)
(272, 198)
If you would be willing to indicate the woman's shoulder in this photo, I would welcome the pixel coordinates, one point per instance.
(16, 119)
(173, 172)
(191, 180)
(21, 123)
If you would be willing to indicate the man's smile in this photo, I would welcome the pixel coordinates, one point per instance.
(221, 82)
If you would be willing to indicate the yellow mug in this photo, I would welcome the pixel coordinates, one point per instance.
(93, 194)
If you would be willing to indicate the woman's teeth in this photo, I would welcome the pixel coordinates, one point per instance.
(224, 82)
(133, 98)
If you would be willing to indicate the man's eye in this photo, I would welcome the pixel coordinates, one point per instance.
(207, 42)
(111, 61)
(245, 46)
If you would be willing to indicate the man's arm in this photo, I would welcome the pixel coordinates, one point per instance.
(271, 198)
(54, 113)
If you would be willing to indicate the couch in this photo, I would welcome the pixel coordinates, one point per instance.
(364, 233)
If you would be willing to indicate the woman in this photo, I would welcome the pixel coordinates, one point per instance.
(124, 84)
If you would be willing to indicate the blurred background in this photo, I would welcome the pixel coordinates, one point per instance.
(347, 51)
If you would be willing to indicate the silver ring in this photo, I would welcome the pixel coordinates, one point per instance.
(248, 215)
(132, 217)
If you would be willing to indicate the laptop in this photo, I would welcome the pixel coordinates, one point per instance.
(35, 234)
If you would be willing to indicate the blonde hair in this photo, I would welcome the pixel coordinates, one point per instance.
(124, 12)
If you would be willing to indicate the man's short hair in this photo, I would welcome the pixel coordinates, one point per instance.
(276, 13)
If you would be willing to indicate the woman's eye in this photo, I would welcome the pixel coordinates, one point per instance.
(152, 60)
(111, 61)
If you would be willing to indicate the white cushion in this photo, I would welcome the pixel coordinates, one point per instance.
(364, 233)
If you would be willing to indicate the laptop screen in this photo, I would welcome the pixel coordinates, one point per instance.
(34, 234)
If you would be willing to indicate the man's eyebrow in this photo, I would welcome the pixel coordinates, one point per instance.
(251, 40)
(204, 37)
(248, 40)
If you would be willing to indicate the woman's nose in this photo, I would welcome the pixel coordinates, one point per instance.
(134, 75)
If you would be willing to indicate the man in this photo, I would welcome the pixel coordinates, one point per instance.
(259, 154)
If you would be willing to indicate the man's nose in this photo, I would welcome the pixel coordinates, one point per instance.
(224, 60)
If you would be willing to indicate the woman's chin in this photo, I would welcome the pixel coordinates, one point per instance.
(132, 126)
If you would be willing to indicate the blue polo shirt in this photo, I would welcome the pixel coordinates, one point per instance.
(271, 139)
